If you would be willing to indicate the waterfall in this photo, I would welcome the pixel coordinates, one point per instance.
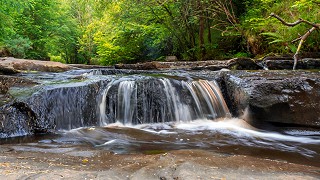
(146, 99)
(127, 98)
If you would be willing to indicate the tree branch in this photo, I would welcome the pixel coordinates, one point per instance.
(294, 23)
(302, 38)
(298, 39)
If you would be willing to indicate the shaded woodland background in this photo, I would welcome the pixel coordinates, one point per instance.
(107, 32)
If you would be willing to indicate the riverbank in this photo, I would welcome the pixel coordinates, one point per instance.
(20, 162)
(10, 65)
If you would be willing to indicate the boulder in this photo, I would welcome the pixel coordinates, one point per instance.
(7, 70)
(15, 65)
(243, 64)
(16, 118)
(171, 58)
(215, 65)
(290, 98)
(278, 64)
(306, 60)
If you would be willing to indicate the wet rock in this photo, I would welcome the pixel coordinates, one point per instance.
(306, 63)
(9, 81)
(65, 107)
(6, 82)
(290, 98)
(242, 64)
(285, 61)
(51, 107)
(7, 70)
(49, 110)
(17, 119)
(214, 65)
(179, 165)
(25, 110)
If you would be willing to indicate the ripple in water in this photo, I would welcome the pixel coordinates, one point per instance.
(231, 136)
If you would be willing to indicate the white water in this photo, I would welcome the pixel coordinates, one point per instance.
(139, 113)
(225, 133)
(141, 99)
(233, 126)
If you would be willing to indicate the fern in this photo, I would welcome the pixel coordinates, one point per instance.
(273, 37)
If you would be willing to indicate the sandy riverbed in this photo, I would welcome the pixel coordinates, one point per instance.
(19, 162)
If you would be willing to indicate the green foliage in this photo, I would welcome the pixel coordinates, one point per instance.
(120, 36)
(273, 37)
(56, 58)
(276, 37)
(38, 22)
(127, 31)
(241, 54)
(18, 46)
(36, 28)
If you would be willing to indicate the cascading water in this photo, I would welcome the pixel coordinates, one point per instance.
(128, 112)
(146, 99)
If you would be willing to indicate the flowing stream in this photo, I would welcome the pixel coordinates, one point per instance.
(143, 99)
(153, 113)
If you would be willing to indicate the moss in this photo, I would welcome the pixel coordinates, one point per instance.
(154, 151)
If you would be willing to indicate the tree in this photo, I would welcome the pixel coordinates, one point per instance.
(64, 42)
(8, 38)
(129, 31)
(8, 9)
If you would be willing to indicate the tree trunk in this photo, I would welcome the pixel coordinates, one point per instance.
(209, 29)
(201, 31)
